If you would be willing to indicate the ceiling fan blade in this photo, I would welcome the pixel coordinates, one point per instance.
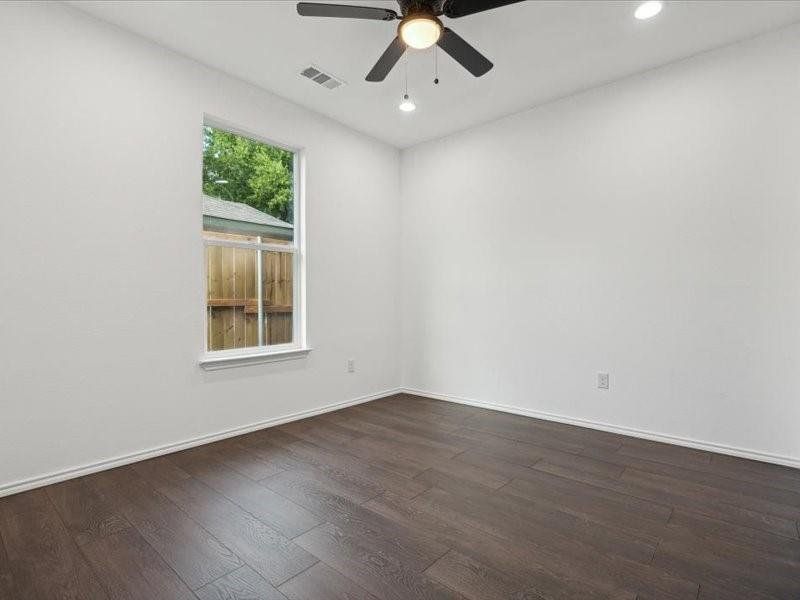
(467, 56)
(345, 11)
(387, 60)
(462, 8)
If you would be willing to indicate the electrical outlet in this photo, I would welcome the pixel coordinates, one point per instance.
(602, 381)
(351, 365)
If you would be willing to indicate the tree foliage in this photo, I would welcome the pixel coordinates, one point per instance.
(242, 170)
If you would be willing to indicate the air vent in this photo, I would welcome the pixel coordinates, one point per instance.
(319, 76)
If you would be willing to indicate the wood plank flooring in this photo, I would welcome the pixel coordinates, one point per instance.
(409, 498)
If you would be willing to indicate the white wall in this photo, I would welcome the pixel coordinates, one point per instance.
(648, 228)
(101, 277)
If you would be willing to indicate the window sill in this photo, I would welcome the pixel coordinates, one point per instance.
(224, 360)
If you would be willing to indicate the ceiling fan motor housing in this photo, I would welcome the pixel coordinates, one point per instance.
(431, 7)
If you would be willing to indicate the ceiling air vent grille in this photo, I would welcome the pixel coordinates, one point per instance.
(319, 76)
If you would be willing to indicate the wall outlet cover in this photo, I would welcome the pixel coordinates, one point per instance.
(602, 381)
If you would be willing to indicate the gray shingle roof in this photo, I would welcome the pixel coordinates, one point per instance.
(236, 211)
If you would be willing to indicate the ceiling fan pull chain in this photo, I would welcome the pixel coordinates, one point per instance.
(405, 65)
(436, 65)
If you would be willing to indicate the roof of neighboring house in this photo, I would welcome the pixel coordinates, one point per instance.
(236, 211)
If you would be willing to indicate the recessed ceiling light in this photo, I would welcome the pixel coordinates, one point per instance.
(648, 10)
(407, 104)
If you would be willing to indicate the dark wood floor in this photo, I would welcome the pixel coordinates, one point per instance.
(407, 498)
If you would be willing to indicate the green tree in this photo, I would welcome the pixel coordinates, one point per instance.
(242, 170)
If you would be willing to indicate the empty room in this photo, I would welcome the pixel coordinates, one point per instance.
(413, 300)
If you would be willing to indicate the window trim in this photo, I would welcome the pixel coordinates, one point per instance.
(284, 248)
(239, 357)
(299, 348)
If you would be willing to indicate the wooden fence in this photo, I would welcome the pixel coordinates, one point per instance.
(232, 303)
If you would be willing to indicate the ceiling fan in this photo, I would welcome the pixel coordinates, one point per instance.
(419, 28)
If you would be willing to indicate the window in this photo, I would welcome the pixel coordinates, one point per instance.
(252, 251)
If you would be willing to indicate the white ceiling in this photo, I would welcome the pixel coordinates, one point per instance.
(541, 51)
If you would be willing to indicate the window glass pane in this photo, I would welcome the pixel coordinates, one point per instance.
(278, 288)
(232, 320)
(248, 187)
(235, 317)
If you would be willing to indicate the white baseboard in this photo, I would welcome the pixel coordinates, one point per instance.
(777, 459)
(41, 480)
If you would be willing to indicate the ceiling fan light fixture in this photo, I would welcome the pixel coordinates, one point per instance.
(407, 104)
(420, 31)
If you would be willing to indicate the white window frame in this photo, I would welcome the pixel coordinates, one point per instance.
(298, 348)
